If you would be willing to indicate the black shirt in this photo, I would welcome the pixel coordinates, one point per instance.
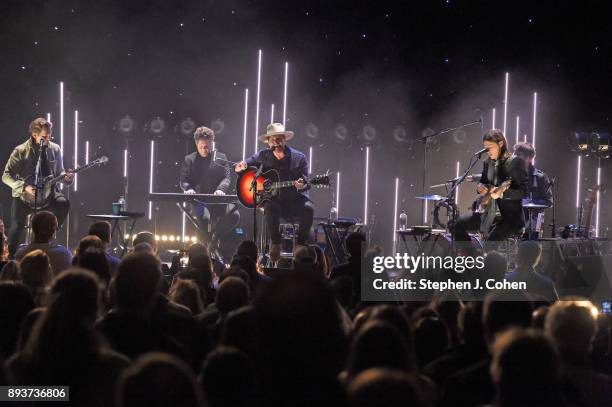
(203, 175)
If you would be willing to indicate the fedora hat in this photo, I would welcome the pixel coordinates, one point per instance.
(275, 129)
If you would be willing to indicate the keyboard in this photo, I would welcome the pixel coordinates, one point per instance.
(209, 199)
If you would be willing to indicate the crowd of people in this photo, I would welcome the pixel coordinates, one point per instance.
(130, 332)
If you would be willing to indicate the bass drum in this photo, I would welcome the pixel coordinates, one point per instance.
(440, 244)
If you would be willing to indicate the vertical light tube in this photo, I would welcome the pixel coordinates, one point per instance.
(152, 155)
(246, 116)
(506, 100)
(518, 124)
(285, 93)
(395, 214)
(493, 119)
(598, 200)
(578, 175)
(257, 99)
(76, 148)
(48, 117)
(183, 225)
(272, 113)
(533, 131)
(309, 160)
(86, 152)
(62, 116)
(338, 193)
(125, 163)
(457, 176)
(366, 192)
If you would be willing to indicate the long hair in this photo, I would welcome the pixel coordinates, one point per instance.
(495, 136)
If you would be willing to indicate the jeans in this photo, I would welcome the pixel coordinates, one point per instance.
(300, 208)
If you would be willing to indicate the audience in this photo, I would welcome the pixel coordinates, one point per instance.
(103, 230)
(44, 227)
(124, 334)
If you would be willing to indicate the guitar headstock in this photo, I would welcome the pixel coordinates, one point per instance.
(100, 160)
(320, 180)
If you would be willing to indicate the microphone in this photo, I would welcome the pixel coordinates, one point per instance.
(479, 153)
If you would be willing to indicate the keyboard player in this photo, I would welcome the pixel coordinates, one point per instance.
(200, 174)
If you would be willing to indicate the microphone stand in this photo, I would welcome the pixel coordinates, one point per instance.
(553, 225)
(39, 182)
(254, 190)
(425, 140)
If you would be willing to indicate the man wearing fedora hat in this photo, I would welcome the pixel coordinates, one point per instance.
(202, 175)
(292, 165)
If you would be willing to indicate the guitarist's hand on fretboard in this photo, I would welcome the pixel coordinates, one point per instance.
(300, 184)
(482, 189)
(68, 177)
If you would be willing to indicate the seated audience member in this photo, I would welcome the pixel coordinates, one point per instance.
(64, 348)
(301, 343)
(187, 293)
(96, 260)
(431, 340)
(10, 271)
(240, 330)
(36, 274)
(89, 242)
(227, 378)
(158, 380)
(472, 346)
(15, 303)
(539, 286)
(249, 249)
(472, 385)
(304, 259)
(538, 317)
(525, 370)
(103, 230)
(44, 226)
(145, 237)
(352, 268)
(143, 247)
(256, 280)
(384, 387)
(571, 325)
(233, 294)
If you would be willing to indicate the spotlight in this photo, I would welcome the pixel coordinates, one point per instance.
(312, 131)
(369, 134)
(164, 238)
(156, 127)
(186, 127)
(341, 134)
(217, 126)
(600, 143)
(400, 134)
(579, 141)
(460, 136)
(126, 126)
(172, 238)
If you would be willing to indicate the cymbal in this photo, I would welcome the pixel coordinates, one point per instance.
(434, 197)
(532, 205)
(469, 178)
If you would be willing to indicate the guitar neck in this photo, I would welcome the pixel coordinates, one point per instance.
(282, 184)
(58, 178)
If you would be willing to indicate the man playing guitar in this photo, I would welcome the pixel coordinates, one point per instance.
(291, 165)
(503, 184)
(201, 174)
(19, 172)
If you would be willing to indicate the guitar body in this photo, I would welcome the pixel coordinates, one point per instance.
(43, 197)
(269, 185)
(265, 192)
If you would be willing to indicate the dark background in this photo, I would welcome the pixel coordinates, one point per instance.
(384, 63)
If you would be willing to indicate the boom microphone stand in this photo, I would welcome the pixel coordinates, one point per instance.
(426, 144)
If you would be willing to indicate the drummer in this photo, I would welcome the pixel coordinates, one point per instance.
(540, 186)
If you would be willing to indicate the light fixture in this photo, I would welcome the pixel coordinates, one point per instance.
(217, 126)
(341, 134)
(186, 127)
(126, 126)
(369, 134)
(600, 143)
(156, 127)
(311, 131)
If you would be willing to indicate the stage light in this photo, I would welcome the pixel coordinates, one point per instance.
(506, 100)
(259, 56)
(76, 149)
(272, 113)
(164, 238)
(338, 193)
(395, 215)
(597, 202)
(126, 126)
(493, 119)
(400, 134)
(62, 117)
(151, 177)
(186, 127)
(579, 167)
(366, 189)
(579, 141)
(341, 134)
(156, 237)
(217, 126)
(600, 143)
(156, 127)
(310, 160)
(125, 163)
(244, 129)
(178, 238)
(87, 152)
(369, 134)
(171, 238)
(518, 123)
(285, 93)
(533, 131)
(311, 131)
(457, 169)
(459, 136)
(194, 239)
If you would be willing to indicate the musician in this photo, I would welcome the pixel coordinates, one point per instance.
(19, 174)
(503, 216)
(201, 174)
(540, 186)
(291, 164)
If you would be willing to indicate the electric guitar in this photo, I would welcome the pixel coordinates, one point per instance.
(481, 203)
(268, 185)
(41, 199)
